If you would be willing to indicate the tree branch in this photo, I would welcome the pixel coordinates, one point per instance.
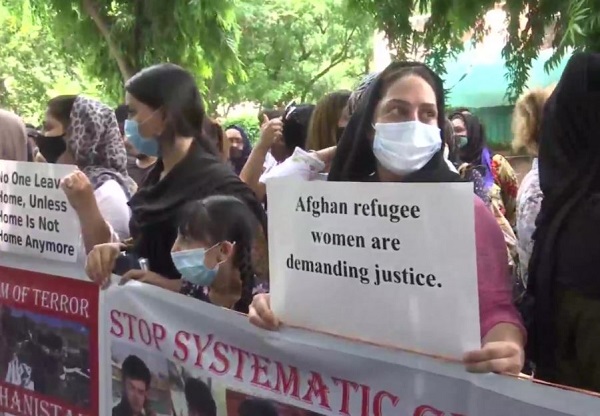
(90, 8)
(304, 54)
(138, 47)
(338, 59)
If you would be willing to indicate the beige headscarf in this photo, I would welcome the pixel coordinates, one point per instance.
(13, 137)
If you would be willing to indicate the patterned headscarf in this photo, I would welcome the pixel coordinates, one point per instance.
(358, 93)
(13, 137)
(94, 139)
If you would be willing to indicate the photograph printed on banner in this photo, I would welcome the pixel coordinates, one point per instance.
(240, 404)
(45, 356)
(146, 383)
(140, 382)
(194, 395)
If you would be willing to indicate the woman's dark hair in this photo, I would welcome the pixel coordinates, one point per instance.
(214, 133)
(270, 113)
(173, 90)
(322, 131)
(134, 368)
(225, 218)
(199, 398)
(257, 407)
(122, 114)
(354, 159)
(60, 108)
(463, 110)
(448, 132)
(295, 126)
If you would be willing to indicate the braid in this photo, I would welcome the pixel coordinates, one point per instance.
(247, 277)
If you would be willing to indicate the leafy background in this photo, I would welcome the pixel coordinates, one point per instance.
(264, 52)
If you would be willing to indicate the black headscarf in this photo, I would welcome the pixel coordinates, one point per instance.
(354, 159)
(157, 204)
(295, 126)
(239, 162)
(475, 152)
(566, 240)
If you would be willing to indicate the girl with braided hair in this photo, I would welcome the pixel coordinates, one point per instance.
(213, 252)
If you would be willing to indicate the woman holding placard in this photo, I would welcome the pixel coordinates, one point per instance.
(84, 132)
(394, 136)
(166, 117)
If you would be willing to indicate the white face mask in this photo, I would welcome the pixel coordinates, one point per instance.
(406, 147)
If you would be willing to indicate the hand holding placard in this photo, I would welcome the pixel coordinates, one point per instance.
(377, 262)
(78, 189)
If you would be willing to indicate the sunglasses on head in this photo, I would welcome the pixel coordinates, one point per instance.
(289, 109)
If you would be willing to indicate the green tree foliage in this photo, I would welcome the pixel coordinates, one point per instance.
(116, 38)
(295, 49)
(30, 65)
(575, 24)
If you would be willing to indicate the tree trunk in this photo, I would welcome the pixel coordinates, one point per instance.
(90, 8)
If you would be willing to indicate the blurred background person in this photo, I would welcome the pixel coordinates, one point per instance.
(13, 137)
(240, 147)
(328, 121)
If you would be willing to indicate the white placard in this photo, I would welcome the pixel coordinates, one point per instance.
(36, 218)
(389, 263)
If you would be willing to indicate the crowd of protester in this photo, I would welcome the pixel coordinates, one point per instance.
(161, 184)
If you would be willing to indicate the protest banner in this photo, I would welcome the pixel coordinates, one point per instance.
(49, 344)
(35, 216)
(197, 356)
(393, 263)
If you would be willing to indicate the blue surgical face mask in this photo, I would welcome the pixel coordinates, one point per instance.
(145, 145)
(462, 141)
(190, 264)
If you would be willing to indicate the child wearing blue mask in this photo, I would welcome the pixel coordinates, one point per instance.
(212, 253)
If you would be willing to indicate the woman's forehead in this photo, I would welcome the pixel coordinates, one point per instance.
(412, 89)
(130, 100)
(233, 133)
(458, 122)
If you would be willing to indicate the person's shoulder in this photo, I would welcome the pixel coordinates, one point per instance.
(479, 205)
(503, 164)
(483, 214)
(498, 158)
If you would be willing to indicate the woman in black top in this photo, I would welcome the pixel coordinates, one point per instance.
(166, 116)
(563, 283)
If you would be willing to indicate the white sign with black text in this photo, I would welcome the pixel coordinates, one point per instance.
(390, 263)
(36, 218)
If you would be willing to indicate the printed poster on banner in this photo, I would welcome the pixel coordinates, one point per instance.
(36, 218)
(391, 263)
(49, 345)
(177, 356)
